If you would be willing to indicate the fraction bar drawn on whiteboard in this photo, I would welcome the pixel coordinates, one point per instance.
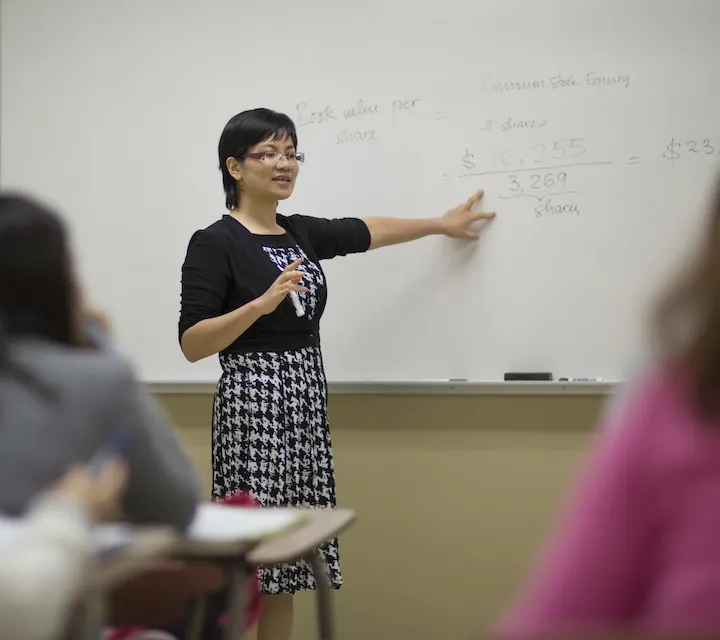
(544, 168)
(539, 198)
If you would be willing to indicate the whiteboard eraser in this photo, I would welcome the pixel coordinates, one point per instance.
(530, 376)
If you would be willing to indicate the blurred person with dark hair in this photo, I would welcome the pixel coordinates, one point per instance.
(62, 400)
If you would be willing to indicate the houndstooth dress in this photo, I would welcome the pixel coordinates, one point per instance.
(270, 431)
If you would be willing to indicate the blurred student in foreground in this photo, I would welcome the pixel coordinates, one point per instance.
(638, 550)
(66, 398)
(43, 562)
(61, 400)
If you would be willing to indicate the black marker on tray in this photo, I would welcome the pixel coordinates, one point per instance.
(529, 376)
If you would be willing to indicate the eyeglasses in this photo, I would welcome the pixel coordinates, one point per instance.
(274, 157)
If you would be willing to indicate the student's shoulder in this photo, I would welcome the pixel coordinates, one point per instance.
(74, 369)
(642, 415)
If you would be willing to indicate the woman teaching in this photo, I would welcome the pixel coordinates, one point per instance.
(253, 291)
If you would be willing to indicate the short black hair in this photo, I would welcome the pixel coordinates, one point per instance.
(242, 132)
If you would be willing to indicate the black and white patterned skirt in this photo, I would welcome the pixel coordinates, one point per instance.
(271, 436)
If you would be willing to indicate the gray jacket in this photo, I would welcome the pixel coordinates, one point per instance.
(96, 393)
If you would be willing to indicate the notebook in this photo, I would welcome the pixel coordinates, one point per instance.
(220, 523)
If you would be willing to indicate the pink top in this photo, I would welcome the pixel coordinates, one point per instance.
(639, 547)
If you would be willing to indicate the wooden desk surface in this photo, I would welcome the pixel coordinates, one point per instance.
(157, 544)
(320, 526)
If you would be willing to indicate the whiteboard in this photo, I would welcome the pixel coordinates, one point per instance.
(592, 126)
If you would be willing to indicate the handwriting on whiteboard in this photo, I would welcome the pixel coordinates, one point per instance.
(357, 121)
(541, 152)
(360, 121)
(523, 156)
(510, 124)
(550, 191)
(687, 149)
(591, 79)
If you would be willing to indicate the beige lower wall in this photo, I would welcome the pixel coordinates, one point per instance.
(453, 495)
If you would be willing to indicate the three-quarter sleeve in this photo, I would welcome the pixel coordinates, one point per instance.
(205, 280)
(336, 237)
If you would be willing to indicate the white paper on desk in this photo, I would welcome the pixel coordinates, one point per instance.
(221, 523)
(9, 528)
(105, 538)
(212, 523)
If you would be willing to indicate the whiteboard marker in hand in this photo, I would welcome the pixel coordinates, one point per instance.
(295, 298)
(299, 311)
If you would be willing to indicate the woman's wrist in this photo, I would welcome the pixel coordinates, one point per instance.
(438, 226)
(253, 308)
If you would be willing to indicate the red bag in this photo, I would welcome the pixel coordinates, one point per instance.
(254, 594)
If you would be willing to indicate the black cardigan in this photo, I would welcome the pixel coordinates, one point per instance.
(226, 267)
